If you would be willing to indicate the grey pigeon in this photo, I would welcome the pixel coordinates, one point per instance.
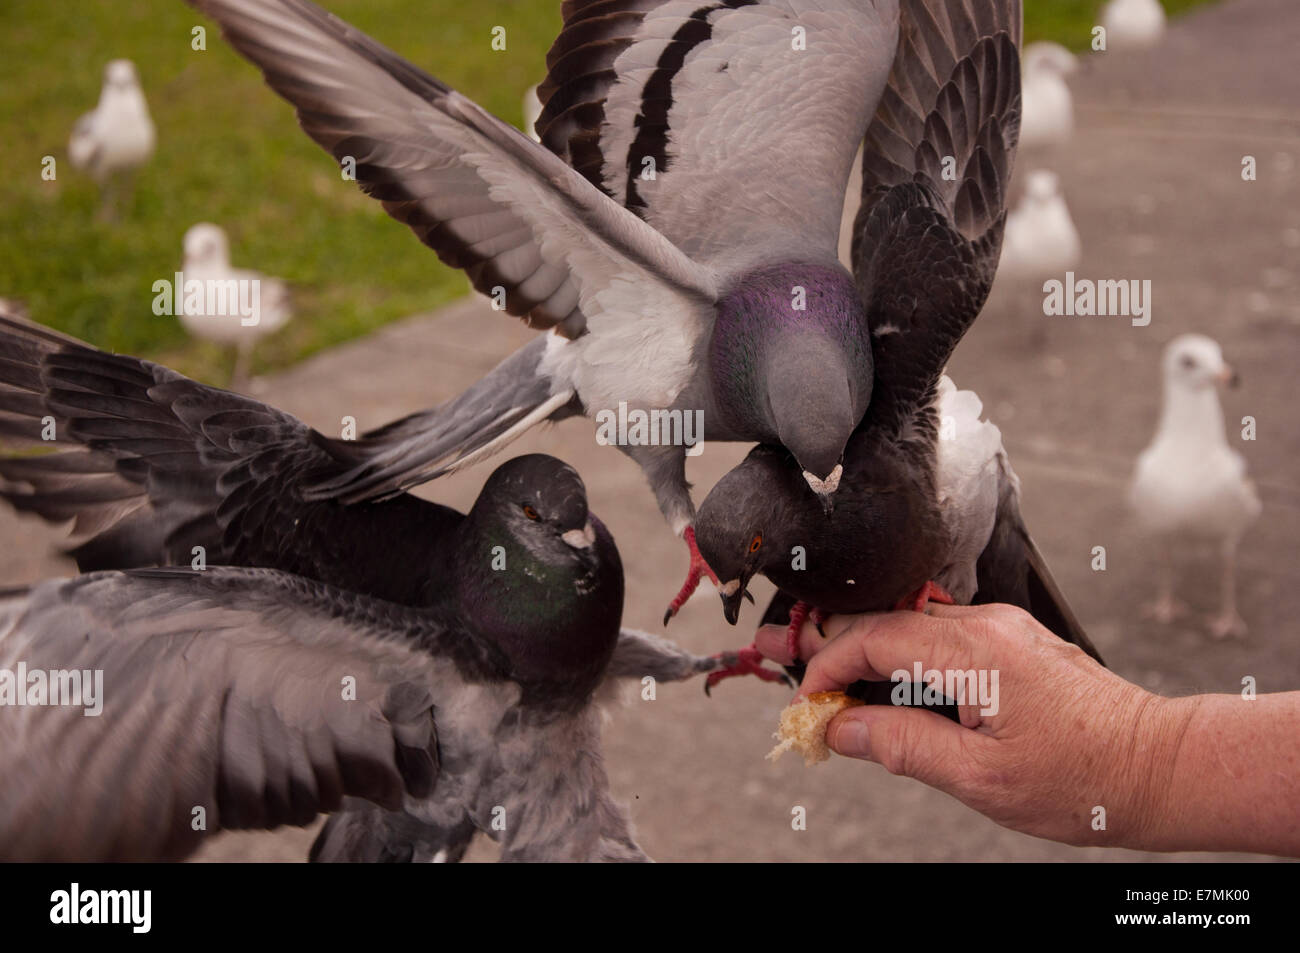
(161, 465)
(927, 486)
(685, 261)
(250, 698)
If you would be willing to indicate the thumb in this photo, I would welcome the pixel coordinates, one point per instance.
(911, 742)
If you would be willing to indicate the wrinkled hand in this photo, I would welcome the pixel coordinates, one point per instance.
(1068, 735)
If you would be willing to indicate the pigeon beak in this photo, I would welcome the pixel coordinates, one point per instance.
(824, 488)
(732, 593)
(1228, 377)
(580, 538)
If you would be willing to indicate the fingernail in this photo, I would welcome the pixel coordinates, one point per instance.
(849, 738)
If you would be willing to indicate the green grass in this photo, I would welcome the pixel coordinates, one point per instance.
(231, 152)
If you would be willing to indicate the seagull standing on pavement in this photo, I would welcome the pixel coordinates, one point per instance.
(1190, 485)
(1047, 117)
(207, 260)
(1041, 239)
(115, 138)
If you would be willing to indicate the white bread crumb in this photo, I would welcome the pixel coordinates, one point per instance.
(803, 726)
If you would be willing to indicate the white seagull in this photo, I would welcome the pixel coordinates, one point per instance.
(117, 137)
(1133, 24)
(1041, 239)
(1047, 108)
(1190, 485)
(226, 316)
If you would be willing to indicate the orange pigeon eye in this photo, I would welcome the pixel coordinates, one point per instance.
(756, 543)
(530, 512)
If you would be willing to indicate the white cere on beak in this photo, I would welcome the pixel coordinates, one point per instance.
(827, 486)
(729, 588)
(580, 538)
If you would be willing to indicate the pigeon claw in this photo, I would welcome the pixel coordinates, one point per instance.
(747, 661)
(799, 612)
(930, 592)
(697, 571)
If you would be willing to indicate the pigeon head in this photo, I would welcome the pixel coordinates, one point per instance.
(205, 244)
(542, 503)
(745, 523)
(540, 577)
(1194, 362)
(790, 358)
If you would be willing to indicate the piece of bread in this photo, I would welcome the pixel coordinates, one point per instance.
(803, 725)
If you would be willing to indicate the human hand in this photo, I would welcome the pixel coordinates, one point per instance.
(1068, 736)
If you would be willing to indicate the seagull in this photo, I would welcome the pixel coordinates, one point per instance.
(1189, 485)
(637, 233)
(1047, 117)
(1133, 24)
(115, 138)
(925, 481)
(157, 470)
(225, 320)
(532, 112)
(1041, 239)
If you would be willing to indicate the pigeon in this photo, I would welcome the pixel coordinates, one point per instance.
(930, 512)
(115, 138)
(249, 698)
(1047, 110)
(234, 315)
(1133, 24)
(923, 476)
(1189, 485)
(162, 470)
(676, 267)
(1041, 239)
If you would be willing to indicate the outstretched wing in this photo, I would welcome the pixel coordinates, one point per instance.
(936, 165)
(259, 697)
(484, 196)
(155, 464)
(728, 125)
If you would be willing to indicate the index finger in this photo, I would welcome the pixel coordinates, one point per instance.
(876, 645)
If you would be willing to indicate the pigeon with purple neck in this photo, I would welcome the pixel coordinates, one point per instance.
(676, 230)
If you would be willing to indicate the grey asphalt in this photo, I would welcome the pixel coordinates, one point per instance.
(1153, 180)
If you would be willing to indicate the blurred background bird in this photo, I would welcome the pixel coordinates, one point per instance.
(1133, 24)
(1041, 239)
(1190, 486)
(114, 139)
(207, 259)
(1047, 108)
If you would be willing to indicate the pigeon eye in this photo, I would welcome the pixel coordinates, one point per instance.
(756, 543)
(1189, 362)
(530, 512)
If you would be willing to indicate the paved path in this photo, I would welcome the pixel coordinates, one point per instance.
(1153, 181)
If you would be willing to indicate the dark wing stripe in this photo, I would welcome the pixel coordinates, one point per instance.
(657, 97)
